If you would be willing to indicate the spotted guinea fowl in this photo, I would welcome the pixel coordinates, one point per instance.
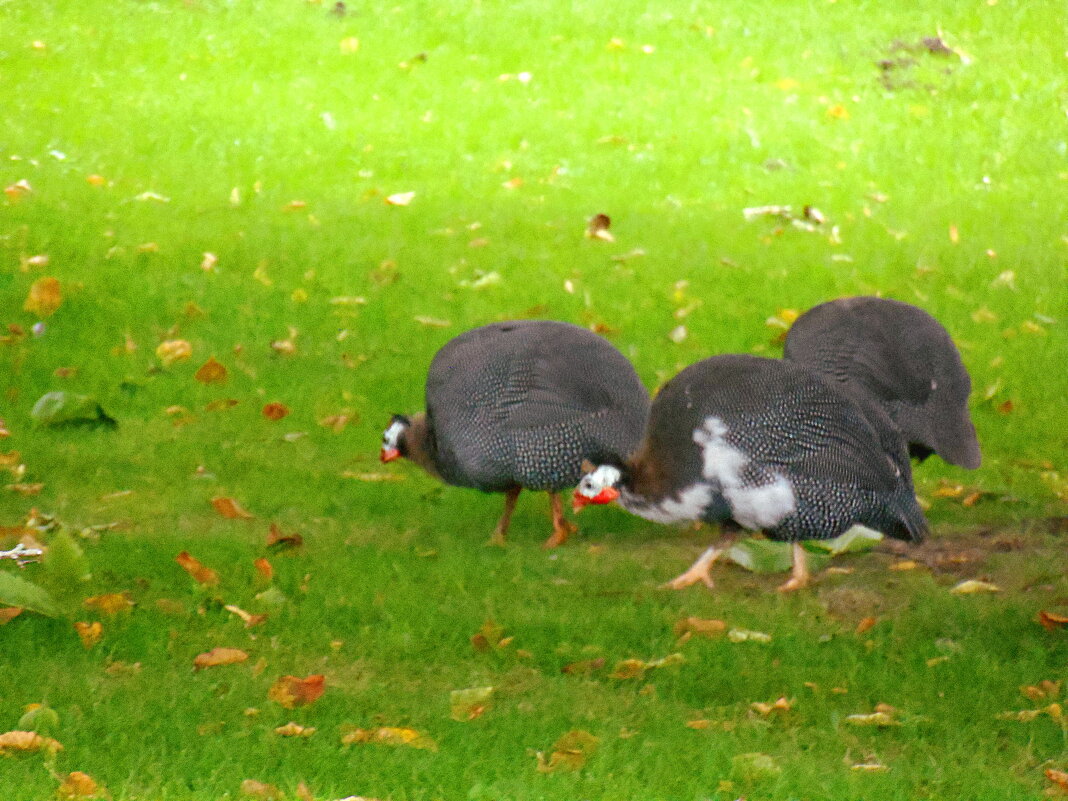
(902, 357)
(768, 445)
(518, 405)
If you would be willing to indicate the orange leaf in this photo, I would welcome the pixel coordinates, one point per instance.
(95, 180)
(9, 613)
(1058, 777)
(230, 509)
(294, 730)
(193, 566)
(90, 633)
(44, 297)
(702, 626)
(110, 603)
(290, 691)
(1051, 621)
(211, 372)
(79, 785)
(27, 741)
(390, 735)
(865, 624)
(275, 411)
(264, 568)
(217, 657)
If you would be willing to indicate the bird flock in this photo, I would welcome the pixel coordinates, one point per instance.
(800, 448)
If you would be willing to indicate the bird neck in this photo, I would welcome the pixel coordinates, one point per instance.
(419, 444)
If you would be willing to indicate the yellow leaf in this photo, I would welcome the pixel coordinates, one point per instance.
(44, 297)
(292, 729)
(110, 603)
(972, 586)
(90, 633)
(95, 180)
(629, 669)
(211, 372)
(349, 45)
(881, 719)
(390, 735)
(569, 753)
(173, 350)
(217, 657)
(838, 112)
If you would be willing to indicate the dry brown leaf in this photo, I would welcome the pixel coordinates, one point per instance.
(249, 619)
(629, 669)
(263, 567)
(89, 633)
(27, 741)
(173, 350)
(291, 691)
(1043, 690)
(1052, 621)
(80, 785)
(865, 624)
(211, 372)
(217, 657)
(765, 709)
(699, 724)
(465, 705)
(110, 603)
(597, 228)
(390, 735)
(275, 537)
(275, 411)
(23, 488)
(44, 297)
(292, 729)
(490, 636)
(231, 509)
(200, 573)
(569, 753)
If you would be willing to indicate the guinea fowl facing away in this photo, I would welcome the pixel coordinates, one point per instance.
(769, 445)
(518, 405)
(904, 359)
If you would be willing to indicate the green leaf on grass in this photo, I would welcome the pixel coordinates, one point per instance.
(69, 408)
(857, 538)
(754, 767)
(17, 591)
(64, 566)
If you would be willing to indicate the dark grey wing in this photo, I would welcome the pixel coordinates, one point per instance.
(902, 357)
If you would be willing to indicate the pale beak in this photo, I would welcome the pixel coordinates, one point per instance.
(389, 454)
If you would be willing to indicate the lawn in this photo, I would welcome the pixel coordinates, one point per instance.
(244, 228)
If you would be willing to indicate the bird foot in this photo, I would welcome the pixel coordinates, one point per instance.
(497, 540)
(560, 535)
(689, 578)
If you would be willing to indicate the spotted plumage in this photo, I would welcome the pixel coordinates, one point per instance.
(518, 405)
(901, 357)
(768, 445)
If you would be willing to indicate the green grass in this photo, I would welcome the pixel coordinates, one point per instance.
(231, 111)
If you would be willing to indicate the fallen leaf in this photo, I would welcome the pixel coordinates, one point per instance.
(390, 735)
(230, 509)
(905, 564)
(699, 724)
(44, 297)
(400, 199)
(583, 668)
(636, 668)
(291, 691)
(754, 767)
(110, 603)
(193, 566)
(700, 626)
(211, 372)
(249, 619)
(865, 624)
(27, 741)
(263, 567)
(294, 730)
(972, 586)
(869, 767)
(489, 637)
(745, 635)
(218, 657)
(60, 408)
(89, 633)
(80, 785)
(1041, 691)
(465, 705)
(275, 411)
(569, 753)
(1058, 777)
(881, 719)
(597, 228)
(432, 322)
(1052, 621)
(173, 350)
(765, 709)
(254, 788)
(9, 613)
(276, 539)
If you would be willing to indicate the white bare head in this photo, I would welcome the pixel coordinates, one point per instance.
(393, 445)
(599, 485)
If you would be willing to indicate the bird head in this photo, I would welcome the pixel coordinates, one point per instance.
(599, 484)
(393, 445)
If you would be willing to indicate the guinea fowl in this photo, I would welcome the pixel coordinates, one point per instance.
(904, 359)
(768, 445)
(518, 405)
